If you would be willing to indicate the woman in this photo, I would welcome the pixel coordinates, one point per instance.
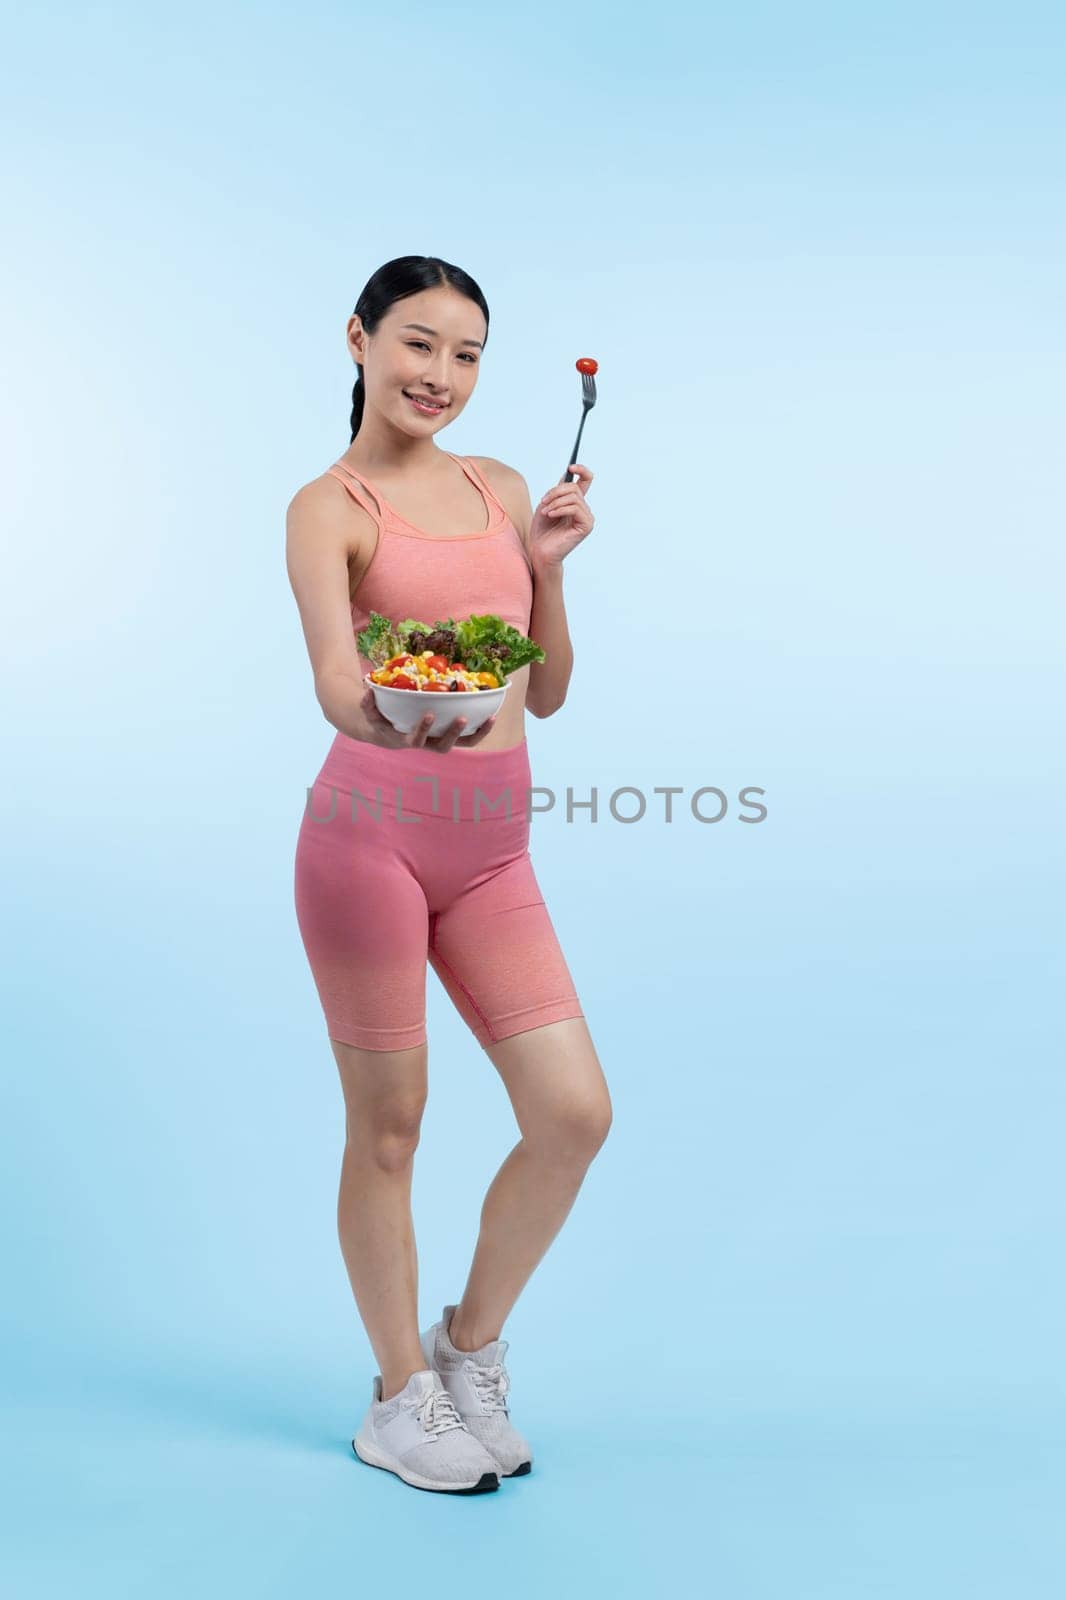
(436, 874)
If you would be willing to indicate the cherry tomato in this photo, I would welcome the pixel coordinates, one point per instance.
(587, 364)
(434, 688)
(397, 661)
(454, 666)
(402, 681)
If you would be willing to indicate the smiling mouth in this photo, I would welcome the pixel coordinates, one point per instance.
(429, 407)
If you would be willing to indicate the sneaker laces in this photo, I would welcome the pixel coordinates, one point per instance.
(436, 1411)
(491, 1382)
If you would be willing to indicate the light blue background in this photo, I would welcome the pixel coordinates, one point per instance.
(801, 1337)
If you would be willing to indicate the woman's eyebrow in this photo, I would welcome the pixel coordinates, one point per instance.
(421, 327)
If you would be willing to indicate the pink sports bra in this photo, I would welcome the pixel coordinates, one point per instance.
(416, 574)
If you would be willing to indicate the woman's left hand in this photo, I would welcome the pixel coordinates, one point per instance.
(561, 520)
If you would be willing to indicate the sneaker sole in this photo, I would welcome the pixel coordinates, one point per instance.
(428, 1343)
(377, 1458)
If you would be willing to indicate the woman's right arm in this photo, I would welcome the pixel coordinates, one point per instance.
(323, 531)
(319, 531)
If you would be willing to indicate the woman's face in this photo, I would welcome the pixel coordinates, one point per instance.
(437, 358)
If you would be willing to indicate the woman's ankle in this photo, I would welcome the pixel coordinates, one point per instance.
(465, 1339)
(395, 1378)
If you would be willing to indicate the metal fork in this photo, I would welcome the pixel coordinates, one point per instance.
(588, 400)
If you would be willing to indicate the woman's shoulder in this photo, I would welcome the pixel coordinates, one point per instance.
(511, 489)
(328, 502)
(497, 469)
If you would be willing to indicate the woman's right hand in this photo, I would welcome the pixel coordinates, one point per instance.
(381, 731)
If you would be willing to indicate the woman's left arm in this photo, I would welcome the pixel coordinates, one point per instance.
(550, 678)
(560, 522)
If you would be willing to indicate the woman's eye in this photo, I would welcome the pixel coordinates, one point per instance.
(420, 344)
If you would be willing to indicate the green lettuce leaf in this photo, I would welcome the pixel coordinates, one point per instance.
(378, 640)
(488, 644)
(482, 643)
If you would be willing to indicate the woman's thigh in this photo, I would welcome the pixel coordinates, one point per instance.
(496, 952)
(364, 921)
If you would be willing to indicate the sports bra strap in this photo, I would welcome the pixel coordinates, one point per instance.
(352, 481)
(343, 473)
(472, 466)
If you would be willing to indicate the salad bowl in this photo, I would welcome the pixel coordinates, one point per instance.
(452, 670)
(405, 708)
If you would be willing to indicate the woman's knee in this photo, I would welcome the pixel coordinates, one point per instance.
(385, 1094)
(389, 1132)
(575, 1127)
(595, 1123)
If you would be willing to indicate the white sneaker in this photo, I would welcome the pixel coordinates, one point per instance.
(478, 1382)
(419, 1435)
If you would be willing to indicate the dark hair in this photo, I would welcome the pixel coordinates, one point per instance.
(403, 276)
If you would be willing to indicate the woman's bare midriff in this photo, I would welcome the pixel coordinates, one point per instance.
(509, 727)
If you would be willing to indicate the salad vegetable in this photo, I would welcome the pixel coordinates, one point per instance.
(480, 647)
(432, 672)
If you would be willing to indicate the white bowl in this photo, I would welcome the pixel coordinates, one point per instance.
(405, 708)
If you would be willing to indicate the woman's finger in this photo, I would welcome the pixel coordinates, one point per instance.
(451, 733)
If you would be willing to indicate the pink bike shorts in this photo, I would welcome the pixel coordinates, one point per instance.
(407, 857)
